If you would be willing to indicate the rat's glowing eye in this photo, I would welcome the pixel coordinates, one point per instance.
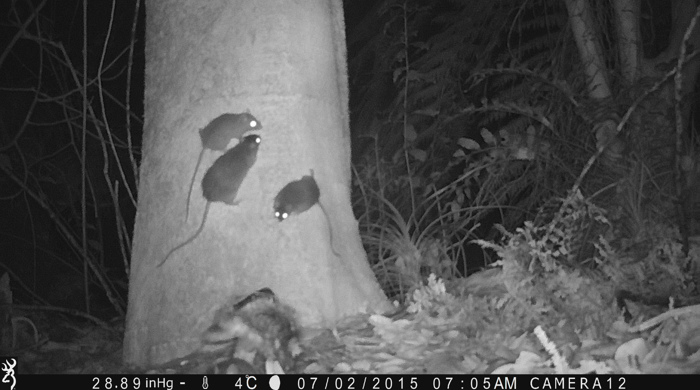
(280, 215)
(253, 124)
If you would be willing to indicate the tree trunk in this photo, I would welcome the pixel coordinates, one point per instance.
(628, 36)
(285, 63)
(587, 40)
(652, 142)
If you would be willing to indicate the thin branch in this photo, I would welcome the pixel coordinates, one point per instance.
(20, 32)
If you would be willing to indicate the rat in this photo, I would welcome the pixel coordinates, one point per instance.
(217, 135)
(223, 178)
(299, 196)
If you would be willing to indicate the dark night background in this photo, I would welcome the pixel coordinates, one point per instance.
(453, 49)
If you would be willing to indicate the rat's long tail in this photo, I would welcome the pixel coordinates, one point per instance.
(201, 226)
(189, 194)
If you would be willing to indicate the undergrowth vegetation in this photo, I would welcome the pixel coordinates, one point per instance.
(488, 139)
(539, 281)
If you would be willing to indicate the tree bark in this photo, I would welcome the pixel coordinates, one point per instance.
(285, 63)
(587, 40)
(628, 36)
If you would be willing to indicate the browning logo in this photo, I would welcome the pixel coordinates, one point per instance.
(9, 369)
